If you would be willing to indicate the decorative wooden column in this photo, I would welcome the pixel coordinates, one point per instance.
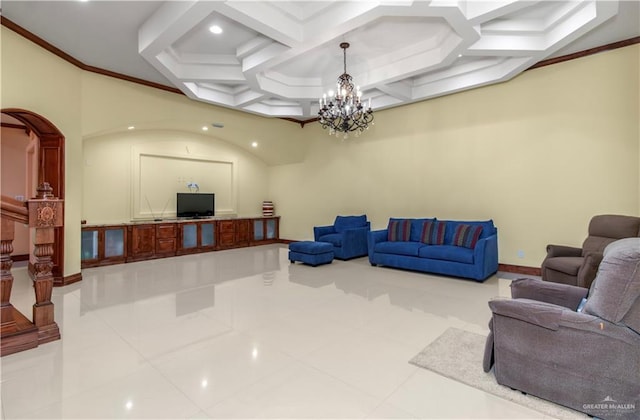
(8, 323)
(45, 214)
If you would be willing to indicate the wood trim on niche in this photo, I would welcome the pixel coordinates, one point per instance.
(50, 169)
(13, 126)
(64, 281)
(56, 51)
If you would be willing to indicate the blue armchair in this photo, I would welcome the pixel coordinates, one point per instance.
(348, 235)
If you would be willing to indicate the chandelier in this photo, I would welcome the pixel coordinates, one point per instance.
(343, 111)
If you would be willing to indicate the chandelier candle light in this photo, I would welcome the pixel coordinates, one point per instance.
(343, 111)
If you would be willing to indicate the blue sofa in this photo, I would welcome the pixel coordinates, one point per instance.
(348, 235)
(455, 248)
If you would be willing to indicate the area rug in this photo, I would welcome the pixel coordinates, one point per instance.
(457, 355)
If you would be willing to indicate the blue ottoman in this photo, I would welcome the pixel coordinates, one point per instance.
(312, 253)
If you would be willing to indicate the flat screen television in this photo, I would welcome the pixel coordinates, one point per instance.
(195, 205)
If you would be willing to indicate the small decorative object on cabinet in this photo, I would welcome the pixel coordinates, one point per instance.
(267, 208)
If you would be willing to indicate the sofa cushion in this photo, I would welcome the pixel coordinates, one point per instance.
(416, 228)
(467, 235)
(567, 265)
(343, 223)
(447, 253)
(333, 238)
(432, 232)
(399, 230)
(311, 247)
(488, 229)
(399, 248)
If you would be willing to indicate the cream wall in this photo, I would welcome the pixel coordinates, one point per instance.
(109, 172)
(89, 107)
(540, 155)
(38, 81)
(110, 106)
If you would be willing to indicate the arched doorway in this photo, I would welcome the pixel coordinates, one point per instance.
(50, 169)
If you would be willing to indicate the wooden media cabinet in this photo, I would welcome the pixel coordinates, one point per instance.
(137, 241)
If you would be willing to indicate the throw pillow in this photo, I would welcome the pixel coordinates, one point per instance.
(399, 230)
(467, 235)
(433, 232)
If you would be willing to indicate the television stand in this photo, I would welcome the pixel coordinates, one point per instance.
(145, 240)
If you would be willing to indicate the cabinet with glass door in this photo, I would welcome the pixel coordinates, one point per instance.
(265, 230)
(197, 236)
(103, 245)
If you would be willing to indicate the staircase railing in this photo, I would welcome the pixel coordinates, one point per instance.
(43, 214)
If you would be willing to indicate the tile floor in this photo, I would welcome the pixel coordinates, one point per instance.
(244, 334)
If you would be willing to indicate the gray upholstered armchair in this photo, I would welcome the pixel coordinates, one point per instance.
(578, 266)
(587, 360)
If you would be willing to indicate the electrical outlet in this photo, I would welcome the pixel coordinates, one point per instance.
(520, 253)
(20, 197)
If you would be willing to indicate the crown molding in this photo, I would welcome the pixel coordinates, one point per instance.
(585, 53)
(58, 52)
(7, 23)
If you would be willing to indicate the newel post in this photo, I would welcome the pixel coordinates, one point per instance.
(45, 214)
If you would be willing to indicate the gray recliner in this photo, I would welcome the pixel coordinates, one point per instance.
(578, 266)
(588, 360)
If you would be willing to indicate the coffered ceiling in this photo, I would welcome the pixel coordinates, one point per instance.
(276, 58)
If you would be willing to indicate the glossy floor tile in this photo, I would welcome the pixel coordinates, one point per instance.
(245, 334)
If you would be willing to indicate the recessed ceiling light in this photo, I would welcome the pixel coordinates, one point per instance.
(205, 128)
(215, 29)
(130, 127)
(254, 144)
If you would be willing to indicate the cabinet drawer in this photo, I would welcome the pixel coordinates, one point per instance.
(242, 226)
(227, 238)
(227, 226)
(242, 230)
(166, 231)
(165, 245)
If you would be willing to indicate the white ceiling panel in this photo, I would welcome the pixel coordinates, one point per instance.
(276, 58)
